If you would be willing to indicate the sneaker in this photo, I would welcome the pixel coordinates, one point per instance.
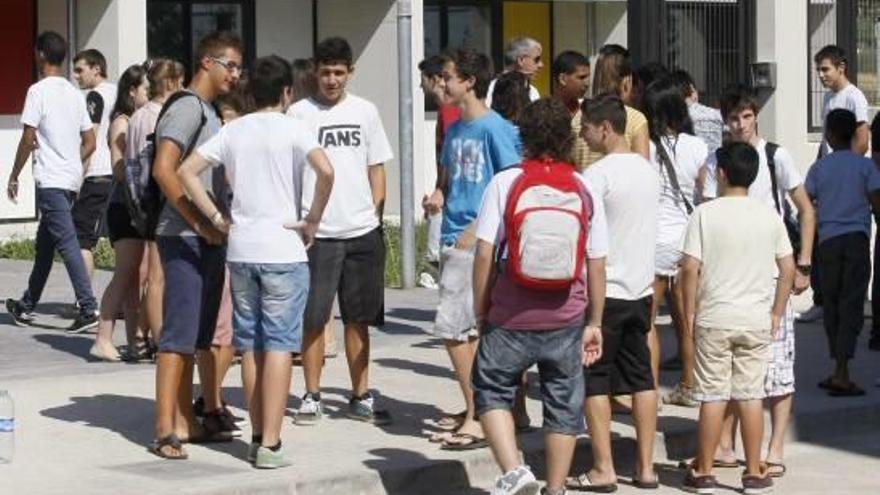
(218, 428)
(310, 411)
(519, 481)
(83, 323)
(545, 491)
(754, 484)
(681, 396)
(227, 420)
(270, 459)
(815, 313)
(21, 317)
(253, 447)
(362, 409)
(704, 485)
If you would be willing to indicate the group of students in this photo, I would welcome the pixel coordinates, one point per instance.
(685, 203)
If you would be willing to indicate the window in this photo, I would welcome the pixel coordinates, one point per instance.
(822, 31)
(457, 24)
(868, 55)
(17, 36)
(174, 28)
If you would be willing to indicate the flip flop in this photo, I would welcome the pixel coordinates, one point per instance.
(852, 390)
(583, 483)
(451, 421)
(716, 463)
(172, 441)
(775, 469)
(646, 485)
(440, 436)
(472, 442)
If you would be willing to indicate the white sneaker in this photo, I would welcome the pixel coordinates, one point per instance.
(519, 481)
(309, 412)
(815, 313)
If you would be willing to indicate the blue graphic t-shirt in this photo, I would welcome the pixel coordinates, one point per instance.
(472, 153)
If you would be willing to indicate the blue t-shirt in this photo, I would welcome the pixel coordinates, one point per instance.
(472, 154)
(840, 184)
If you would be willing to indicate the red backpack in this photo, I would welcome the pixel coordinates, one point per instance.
(546, 219)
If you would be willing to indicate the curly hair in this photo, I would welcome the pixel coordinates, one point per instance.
(511, 95)
(545, 130)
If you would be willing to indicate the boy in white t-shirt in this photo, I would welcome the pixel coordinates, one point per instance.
(61, 140)
(348, 255)
(267, 259)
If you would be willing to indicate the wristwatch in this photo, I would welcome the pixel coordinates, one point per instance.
(804, 269)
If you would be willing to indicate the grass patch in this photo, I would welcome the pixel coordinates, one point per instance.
(25, 249)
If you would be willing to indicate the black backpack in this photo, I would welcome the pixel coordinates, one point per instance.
(782, 206)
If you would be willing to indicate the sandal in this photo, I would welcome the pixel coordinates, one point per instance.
(471, 442)
(168, 441)
(440, 436)
(716, 463)
(775, 469)
(583, 483)
(451, 421)
(646, 485)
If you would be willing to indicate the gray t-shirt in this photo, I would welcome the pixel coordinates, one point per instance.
(180, 124)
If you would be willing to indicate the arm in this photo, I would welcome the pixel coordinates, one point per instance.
(483, 262)
(187, 178)
(324, 171)
(165, 173)
(434, 203)
(783, 289)
(863, 136)
(807, 222)
(87, 146)
(690, 276)
(26, 145)
(376, 175)
(592, 339)
(118, 135)
(640, 142)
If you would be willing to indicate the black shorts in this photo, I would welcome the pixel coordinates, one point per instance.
(88, 211)
(353, 268)
(119, 223)
(625, 366)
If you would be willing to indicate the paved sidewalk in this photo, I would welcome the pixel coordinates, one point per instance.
(82, 426)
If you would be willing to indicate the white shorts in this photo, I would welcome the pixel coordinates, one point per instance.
(455, 314)
(666, 260)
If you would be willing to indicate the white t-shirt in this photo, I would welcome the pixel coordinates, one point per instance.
(57, 110)
(850, 98)
(787, 176)
(490, 221)
(738, 240)
(533, 93)
(100, 102)
(264, 154)
(688, 154)
(629, 188)
(352, 135)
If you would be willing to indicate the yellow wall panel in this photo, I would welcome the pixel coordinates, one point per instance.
(531, 19)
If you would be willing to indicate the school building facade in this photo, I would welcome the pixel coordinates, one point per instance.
(768, 43)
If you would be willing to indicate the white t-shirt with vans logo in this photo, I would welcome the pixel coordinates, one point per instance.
(352, 135)
(100, 102)
(57, 110)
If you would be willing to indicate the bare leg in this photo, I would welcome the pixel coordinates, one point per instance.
(128, 254)
(330, 338)
(780, 412)
(727, 445)
(500, 431)
(598, 412)
(751, 414)
(155, 291)
(686, 346)
(169, 370)
(223, 356)
(274, 382)
(313, 358)
(660, 286)
(709, 432)
(462, 356)
(210, 385)
(357, 352)
(89, 260)
(520, 414)
(252, 398)
(185, 423)
(645, 416)
(560, 451)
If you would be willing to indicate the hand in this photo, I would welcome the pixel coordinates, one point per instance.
(12, 189)
(220, 223)
(591, 344)
(306, 228)
(801, 283)
(433, 203)
(211, 235)
(775, 321)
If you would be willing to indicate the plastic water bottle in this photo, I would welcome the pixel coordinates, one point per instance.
(7, 427)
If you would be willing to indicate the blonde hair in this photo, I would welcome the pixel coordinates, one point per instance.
(612, 67)
(162, 71)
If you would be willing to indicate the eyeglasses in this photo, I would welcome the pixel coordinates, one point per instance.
(230, 67)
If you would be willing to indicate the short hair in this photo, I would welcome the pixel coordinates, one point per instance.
(132, 77)
(305, 84)
(517, 47)
(545, 130)
(840, 128)
(510, 95)
(566, 63)
(238, 100)
(647, 73)
(833, 53)
(665, 109)
(737, 98)
(215, 43)
(268, 78)
(612, 67)
(92, 58)
(468, 64)
(739, 162)
(685, 82)
(433, 65)
(606, 107)
(161, 70)
(334, 50)
(52, 47)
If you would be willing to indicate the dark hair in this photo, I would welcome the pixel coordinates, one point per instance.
(305, 84)
(468, 64)
(612, 67)
(134, 76)
(160, 70)
(739, 162)
(685, 82)
(613, 49)
(833, 53)
(333, 51)
(268, 78)
(52, 47)
(736, 98)
(545, 130)
(666, 110)
(840, 128)
(215, 43)
(433, 65)
(239, 99)
(93, 58)
(647, 73)
(606, 107)
(566, 63)
(511, 95)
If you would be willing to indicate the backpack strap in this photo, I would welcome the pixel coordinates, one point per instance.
(165, 107)
(670, 172)
(770, 151)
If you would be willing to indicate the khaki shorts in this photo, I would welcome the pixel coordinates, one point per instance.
(455, 314)
(731, 364)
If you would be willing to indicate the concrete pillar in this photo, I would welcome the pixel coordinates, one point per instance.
(118, 28)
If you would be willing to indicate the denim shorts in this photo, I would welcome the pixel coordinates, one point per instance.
(268, 300)
(502, 357)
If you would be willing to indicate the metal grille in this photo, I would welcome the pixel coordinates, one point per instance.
(822, 30)
(867, 41)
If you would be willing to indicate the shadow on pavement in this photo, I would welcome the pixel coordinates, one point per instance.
(77, 345)
(431, 343)
(395, 468)
(412, 314)
(408, 418)
(426, 369)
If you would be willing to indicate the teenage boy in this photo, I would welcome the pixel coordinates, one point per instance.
(844, 185)
(348, 255)
(58, 131)
(90, 73)
(733, 247)
(571, 80)
(740, 111)
(630, 192)
(520, 326)
(267, 261)
(193, 254)
(478, 146)
(831, 66)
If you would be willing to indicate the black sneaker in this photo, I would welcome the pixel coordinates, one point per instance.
(83, 323)
(704, 485)
(21, 317)
(217, 427)
(199, 407)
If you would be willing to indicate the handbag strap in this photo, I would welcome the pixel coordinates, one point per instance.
(670, 172)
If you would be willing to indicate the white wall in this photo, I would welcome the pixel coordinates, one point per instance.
(118, 28)
(569, 27)
(284, 28)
